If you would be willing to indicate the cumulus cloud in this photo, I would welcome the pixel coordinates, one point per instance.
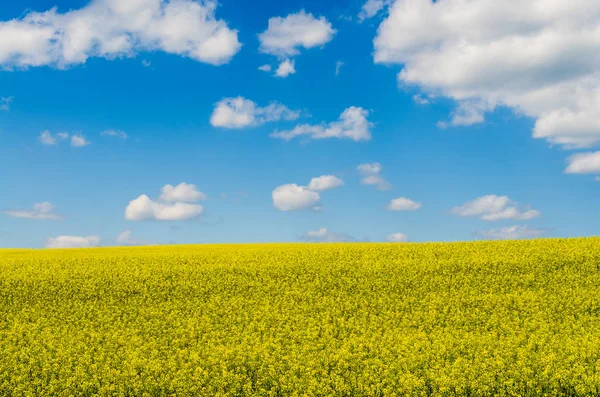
(397, 238)
(371, 175)
(184, 192)
(72, 242)
(5, 103)
(48, 139)
(286, 68)
(584, 163)
(292, 197)
(44, 210)
(265, 68)
(495, 208)
(126, 238)
(325, 182)
(115, 28)
(176, 203)
(325, 236)
(403, 204)
(115, 133)
(352, 124)
(372, 8)
(540, 58)
(285, 37)
(241, 112)
(511, 233)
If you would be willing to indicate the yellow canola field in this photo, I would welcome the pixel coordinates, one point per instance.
(441, 319)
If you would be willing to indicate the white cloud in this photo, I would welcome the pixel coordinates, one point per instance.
(146, 63)
(79, 140)
(125, 238)
(338, 66)
(184, 192)
(584, 163)
(72, 242)
(511, 233)
(325, 236)
(173, 205)
(241, 112)
(540, 58)
(265, 68)
(115, 28)
(325, 182)
(403, 204)
(421, 100)
(494, 208)
(370, 175)
(46, 138)
(372, 8)
(285, 36)
(397, 238)
(286, 67)
(115, 133)
(44, 210)
(5, 103)
(352, 124)
(292, 197)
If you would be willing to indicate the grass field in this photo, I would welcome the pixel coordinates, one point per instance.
(469, 319)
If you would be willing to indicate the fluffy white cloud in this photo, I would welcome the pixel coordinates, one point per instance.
(494, 208)
(286, 68)
(115, 133)
(403, 204)
(46, 138)
(372, 8)
(292, 197)
(43, 210)
(174, 204)
(265, 68)
(72, 242)
(241, 112)
(116, 28)
(325, 236)
(371, 175)
(397, 238)
(352, 124)
(5, 103)
(325, 182)
(184, 192)
(125, 238)
(285, 36)
(584, 163)
(79, 140)
(511, 233)
(540, 58)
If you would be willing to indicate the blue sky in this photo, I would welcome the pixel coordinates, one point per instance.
(480, 135)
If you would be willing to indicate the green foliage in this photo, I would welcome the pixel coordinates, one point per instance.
(461, 319)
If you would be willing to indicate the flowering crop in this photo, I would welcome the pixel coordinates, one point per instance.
(519, 318)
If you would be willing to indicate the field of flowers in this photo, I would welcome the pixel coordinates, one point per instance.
(448, 319)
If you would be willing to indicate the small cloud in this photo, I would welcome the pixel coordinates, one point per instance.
(584, 163)
(495, 208)
(47, 139)
(5, 103)
(265, 68)
(338, 66)
(403, 204)
(146, 63)
(285, 68)
(325, 182)
(43, 211)
(239, 112)
(397, 238)
(370, 173)
(292, 197)
(325, 236)
(511, 233)
(372, 8)
(79, 140)
(174, 204)
(72, 242)
(421, 100)
(125, 238)
(115, 133)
